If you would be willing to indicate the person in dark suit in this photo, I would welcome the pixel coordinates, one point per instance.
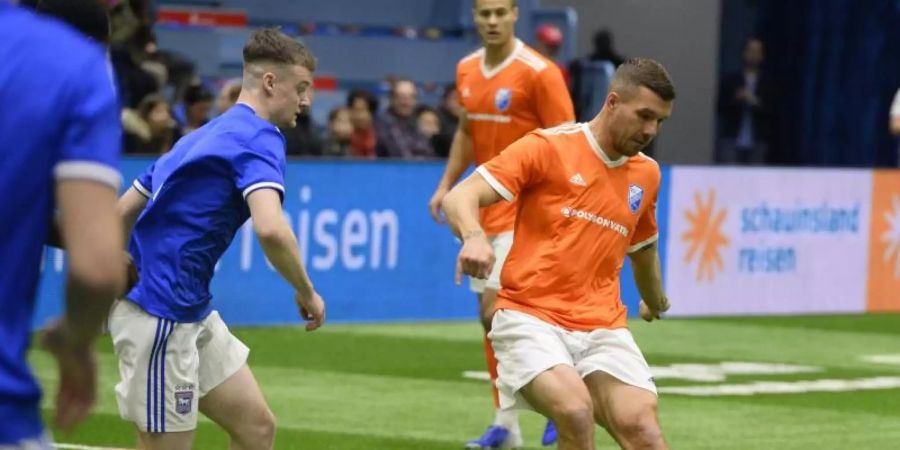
(744, 107)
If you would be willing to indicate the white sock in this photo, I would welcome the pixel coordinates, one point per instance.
(507, 418)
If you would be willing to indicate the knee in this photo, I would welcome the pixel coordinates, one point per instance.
(640, 430)
(259, 431)
(575, 415)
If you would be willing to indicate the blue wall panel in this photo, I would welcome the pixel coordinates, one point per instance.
(367, 240)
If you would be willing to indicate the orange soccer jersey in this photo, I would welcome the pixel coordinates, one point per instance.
(523, 93)
(578, 214)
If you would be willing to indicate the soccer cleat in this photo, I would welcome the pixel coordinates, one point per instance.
(549, 437)
(497, 437)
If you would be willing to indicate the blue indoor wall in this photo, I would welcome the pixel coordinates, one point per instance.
(367, 240)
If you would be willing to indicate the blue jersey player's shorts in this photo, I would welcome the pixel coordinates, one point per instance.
(166, 366)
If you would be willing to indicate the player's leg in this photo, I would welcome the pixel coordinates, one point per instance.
(239, 407)
(158, 369)
(622, 389)
(229, 393)
(533, 353)
(536, 370)
(560, 394)
(505, 429)
(629, 413)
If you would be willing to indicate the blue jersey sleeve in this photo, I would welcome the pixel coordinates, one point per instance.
(92, 137)
(144, 182)
(261, 165)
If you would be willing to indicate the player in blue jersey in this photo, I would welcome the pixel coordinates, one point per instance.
(176, 356)
(59, 128)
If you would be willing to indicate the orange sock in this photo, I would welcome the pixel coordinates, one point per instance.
(492, 369)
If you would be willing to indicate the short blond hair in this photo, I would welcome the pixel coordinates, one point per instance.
(271, 45)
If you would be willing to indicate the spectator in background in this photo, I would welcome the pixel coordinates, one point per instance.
(448, 112)
(149, 129)
(396, 128)
(197, 105)
(303, 139)
(429, 123)
(548, 40)
(589, 91)
(93, 23)
(603, 48)
(337, 136)
(228, 95)
(133, 81)
(130, 33)
(362, 106)
(744, 111)
(895, 119)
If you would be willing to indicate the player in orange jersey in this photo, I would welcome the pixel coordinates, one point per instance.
(506, 89)
(586, 198)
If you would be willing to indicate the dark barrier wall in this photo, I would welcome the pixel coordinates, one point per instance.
(836, 66)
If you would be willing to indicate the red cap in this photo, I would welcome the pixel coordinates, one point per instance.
(549, 34)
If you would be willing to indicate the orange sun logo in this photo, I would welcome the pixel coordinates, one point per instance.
(705, 236)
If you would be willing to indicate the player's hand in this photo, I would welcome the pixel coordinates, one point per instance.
(312, 309)
(434, 205)
(476, 258)
(650, 313)
(77, 375)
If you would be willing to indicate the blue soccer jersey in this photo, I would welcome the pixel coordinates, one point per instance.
(59, 120)
(197, 201)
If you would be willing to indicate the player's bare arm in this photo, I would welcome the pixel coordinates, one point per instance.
(895, 126)
(459, 159)
(280, 246)
(130, 205)
(476, 258)
(648, 278)
(92, 232)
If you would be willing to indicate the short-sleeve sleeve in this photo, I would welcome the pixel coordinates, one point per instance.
(261, 164)
(522, 164)
(646, 231)
(144, 182)
(460, 80)
(92, 134)
(552, 100)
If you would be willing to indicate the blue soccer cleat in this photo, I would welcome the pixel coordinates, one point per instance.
(549, 437)
(497, 437)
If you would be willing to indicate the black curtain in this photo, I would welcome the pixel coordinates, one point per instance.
(835, 66)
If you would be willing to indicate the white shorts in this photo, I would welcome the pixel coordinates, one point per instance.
(526, 346)
(501, 243)
(166, 367)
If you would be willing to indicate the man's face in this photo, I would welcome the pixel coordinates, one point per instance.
(636, 118)
(403, 100)
(496, 20)
(291, 90)
(159, 118)
(198, 112)
(753, 53)
(360, 115)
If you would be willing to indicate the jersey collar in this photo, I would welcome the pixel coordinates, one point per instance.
(599, 151)
(488, 74)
